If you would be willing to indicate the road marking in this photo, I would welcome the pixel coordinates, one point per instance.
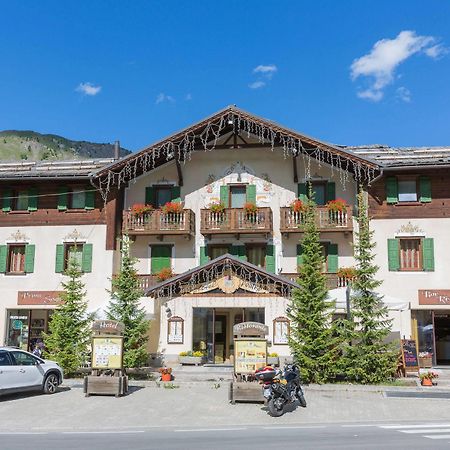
(293, 427)
(442, 436)
(3, 433)
(432, 425)
(209, 429)
(362, 425)
(426, 430)
(103, 432)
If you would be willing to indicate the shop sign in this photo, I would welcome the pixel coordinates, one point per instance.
(39, 297)
(250, 329)
(17, 324)
(108, 327)
(434, 297)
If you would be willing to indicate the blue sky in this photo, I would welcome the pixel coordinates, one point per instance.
(139, 70)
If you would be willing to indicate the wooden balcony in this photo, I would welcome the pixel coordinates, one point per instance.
(333, 281)
(159, 224)
(236, 221)
(293, 222)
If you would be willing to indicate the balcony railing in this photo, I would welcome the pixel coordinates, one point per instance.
(333, 281)
(326, 220)
(158, 223)
(236, 220)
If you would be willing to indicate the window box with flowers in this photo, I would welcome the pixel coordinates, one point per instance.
(191, 358)
(426, 378)
(164, 274)
(173, 212)
(345, 274)
(337, 211)
(250, 211)
(425, 359)
(273, 359)
(140, 214)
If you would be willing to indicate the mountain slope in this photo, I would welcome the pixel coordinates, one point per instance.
(30, 145)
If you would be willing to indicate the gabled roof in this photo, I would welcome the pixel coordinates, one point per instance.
(204, 135)
(219, 267)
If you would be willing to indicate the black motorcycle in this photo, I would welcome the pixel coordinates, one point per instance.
(281, 387)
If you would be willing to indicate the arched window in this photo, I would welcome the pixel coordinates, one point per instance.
(175, 330)
(281, 331)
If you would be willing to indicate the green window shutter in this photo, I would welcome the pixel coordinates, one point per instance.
(428, 254)
(391, 190)
(59, 261)
(7, 200)
(393, 255)
(425, 189)
(239, 252)
(332, 258)
(29, 258)
(225, 195)
(89, 200)
(3, 258)
(161, 257)
(149, 195)
(251, 193)
(299, 255)
(32, 199)
(86, 262)
(270, 258)
(176, 194)
(62, 198)
(302, 193)
(331, 191)
(204, 258)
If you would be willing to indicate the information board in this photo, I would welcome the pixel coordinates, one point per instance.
(107, 352)
(409, 354)
(249, 355)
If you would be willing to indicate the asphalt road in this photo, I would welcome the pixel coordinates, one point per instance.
(331, 436)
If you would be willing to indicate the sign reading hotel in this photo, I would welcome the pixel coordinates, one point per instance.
(434, 297)
(39, 298)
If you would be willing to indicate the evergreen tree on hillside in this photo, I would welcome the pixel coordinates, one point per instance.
(312, 340)
(124, 307)
(369, 358)
(69, 337)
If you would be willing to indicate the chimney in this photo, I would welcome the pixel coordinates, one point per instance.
(117, 150)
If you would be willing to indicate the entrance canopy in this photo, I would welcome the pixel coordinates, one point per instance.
(226, 274)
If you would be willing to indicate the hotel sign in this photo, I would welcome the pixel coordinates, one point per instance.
(434, 297)
(50, 298)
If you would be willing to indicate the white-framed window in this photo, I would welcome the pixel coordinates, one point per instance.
(281, 330)
(407, 190)
(175, 330)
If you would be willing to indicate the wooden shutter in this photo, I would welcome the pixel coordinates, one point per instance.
(86, 260)
(302, 192)
(428, 254)
(149, 196)
(225, 195)
(238, 251)
(32, 199)
(29, 258)
(59, 260)
(161, 257)
(331, 191)
(393, 255)
(299, 255)
(3, 258)
(204, 258)
(251, 193)
(7, 200)
(89, 200)
(425, 189)
(176, 194)
(62, 198)
(391, 190)
(332, 258)
(270, 258)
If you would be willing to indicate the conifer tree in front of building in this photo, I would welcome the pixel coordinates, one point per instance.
(124, 307)
(369, 359)
(69, 337)
(312, 338)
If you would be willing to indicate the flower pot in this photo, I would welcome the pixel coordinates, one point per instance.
(166, 377)
(427, 382)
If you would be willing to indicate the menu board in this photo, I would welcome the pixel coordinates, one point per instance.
(249, 355)
(409, 354)
(107, 352)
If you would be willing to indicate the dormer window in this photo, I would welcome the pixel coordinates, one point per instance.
(407, 190)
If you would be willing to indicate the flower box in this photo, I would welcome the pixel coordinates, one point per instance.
(273, 360)
(190, 360)
(425, 361)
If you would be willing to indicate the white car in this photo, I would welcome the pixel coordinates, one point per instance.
(21, 371)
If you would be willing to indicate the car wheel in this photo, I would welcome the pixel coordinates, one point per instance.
(51, 384)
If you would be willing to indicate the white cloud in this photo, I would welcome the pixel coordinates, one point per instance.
(267, 71)
(384, 58)
(188, 97)
(161, 97)
(257, 84)
(403, 94)
(436, 51)
(88, 89)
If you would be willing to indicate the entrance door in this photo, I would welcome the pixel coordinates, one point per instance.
(442, 338)
(220, 338)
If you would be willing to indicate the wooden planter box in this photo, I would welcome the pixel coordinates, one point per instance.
(425, 361)
(192, 360)
(103, 385)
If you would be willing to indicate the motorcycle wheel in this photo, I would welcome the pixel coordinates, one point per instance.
(276, 408)
(301, 398)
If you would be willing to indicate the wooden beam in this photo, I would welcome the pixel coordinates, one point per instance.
(294, 166)
(180, 173)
